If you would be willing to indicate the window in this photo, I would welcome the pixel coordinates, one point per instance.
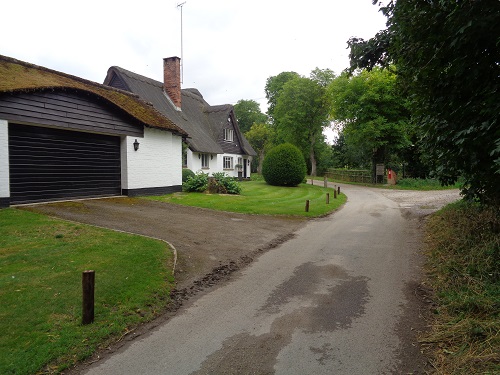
(228, 135)
(228, 162)
(204, 160)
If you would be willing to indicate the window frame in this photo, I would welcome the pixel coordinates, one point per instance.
(226, 160)
(205, 164)
(228, 135)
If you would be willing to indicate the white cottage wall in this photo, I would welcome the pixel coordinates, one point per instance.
(4, 162)
(156, 164)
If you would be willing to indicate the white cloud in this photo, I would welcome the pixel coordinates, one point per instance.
(230, 47)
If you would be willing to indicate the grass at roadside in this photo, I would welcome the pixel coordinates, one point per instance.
(403, 184)
(41, 262)
(257, 197)
(463, 248)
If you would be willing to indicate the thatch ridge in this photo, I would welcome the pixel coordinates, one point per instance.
(20, 76)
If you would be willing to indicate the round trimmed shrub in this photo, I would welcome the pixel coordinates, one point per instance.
(284, 165)
(186, 173)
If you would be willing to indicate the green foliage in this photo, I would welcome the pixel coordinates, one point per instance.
(186, 173)
(301, 113)
(248, 113)
(447, 53)
(229, 185)
(284, 165)
(42, 260)
(464, 266)
(372, 113)
(322, 76)
(221, 183)
(260, 136)
(198, 183)
(274, 87)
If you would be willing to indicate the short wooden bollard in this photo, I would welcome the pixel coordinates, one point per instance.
(339, 189)
(327, 198)
(88, 284)
(335, 194)
(307, 205)
(325, 182)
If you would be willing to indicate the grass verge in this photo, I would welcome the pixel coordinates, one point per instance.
(403, 184)
(41, 262)
(257, 197)
(463, 248)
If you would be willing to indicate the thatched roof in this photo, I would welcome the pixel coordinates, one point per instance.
(19, 76)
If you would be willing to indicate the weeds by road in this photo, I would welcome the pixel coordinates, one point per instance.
(463, 249)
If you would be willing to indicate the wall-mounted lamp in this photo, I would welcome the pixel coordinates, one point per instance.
(211, 157)
(136, 145)
(199, 156)
(248, 160)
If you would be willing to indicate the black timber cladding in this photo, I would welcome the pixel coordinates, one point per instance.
(50, 164)
(69, 110)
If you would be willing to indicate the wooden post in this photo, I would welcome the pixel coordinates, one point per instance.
(312, 181)
(335, 194)
(339, 190)
(88, 283)
(325, 182)
(327, 198)
(307, 205)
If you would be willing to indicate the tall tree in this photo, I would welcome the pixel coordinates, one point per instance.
(447, 54)
(260, 137)
(301, 113)
(247, 113)
(371, 112)
(274, 87)
(323, 76)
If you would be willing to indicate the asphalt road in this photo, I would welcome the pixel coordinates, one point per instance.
(333, 300)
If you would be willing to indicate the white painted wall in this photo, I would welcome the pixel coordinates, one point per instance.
(157, 163)
(4, 160)
(216, 164)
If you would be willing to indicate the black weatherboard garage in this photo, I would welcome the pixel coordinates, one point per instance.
(47, 164)
(65, 134)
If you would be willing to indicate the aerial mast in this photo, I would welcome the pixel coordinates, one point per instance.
(180, 5)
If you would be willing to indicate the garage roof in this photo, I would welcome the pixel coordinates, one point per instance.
(20, 76)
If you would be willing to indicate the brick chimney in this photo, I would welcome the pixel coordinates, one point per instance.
(172, 79)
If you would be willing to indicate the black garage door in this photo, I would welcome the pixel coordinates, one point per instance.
(50, 164)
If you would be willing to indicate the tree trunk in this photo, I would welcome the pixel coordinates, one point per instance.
(261, 160)
(312, 158)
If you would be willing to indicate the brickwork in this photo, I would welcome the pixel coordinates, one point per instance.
(172, 79)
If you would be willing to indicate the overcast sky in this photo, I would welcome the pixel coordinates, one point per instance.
(230, 48)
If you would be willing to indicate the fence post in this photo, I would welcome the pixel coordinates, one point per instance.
(339, 190)
(88, 283)
(325, 182)
(327, 198)
(307, 205)
(335, 193)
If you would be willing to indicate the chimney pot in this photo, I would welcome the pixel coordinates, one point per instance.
(172, 79)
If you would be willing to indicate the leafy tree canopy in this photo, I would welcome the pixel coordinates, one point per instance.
(323, 76)
(447, 56)
(274, 87)
(371, 111)
(247, 113)
(301, 113)
(260, 137)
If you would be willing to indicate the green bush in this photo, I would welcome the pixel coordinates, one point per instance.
(186, 173)
(284, 165)
(197, 183)
(221, 184)
(226, 184)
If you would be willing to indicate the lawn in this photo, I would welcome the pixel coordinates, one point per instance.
(257, 197)
(41, 262)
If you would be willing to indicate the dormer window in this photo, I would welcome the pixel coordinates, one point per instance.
(228, 135)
